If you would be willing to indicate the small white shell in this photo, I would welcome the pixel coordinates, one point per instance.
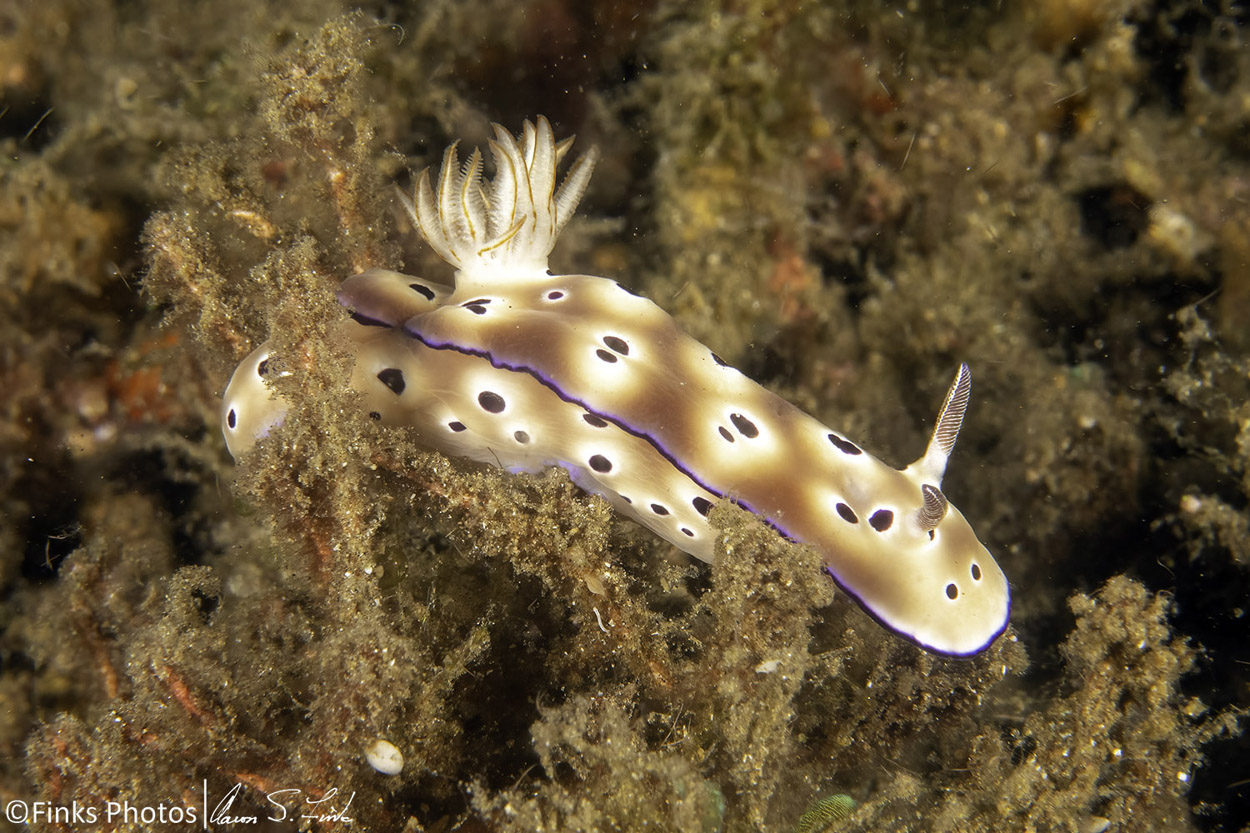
(385, 757)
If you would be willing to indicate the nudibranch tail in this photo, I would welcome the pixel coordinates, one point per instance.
(249, 408)
(519, 368)
(513, 223)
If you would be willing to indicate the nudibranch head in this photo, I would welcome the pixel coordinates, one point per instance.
(250, 409)
(943, 590)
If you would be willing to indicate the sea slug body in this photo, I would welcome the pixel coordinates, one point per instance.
(516, 367)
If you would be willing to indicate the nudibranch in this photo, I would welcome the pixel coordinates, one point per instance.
(515, 367)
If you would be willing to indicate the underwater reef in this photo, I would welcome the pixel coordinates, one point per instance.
(845, 200)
